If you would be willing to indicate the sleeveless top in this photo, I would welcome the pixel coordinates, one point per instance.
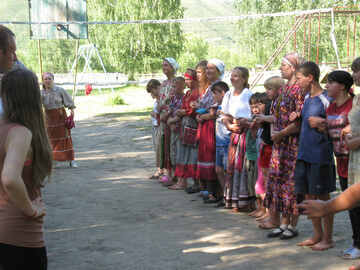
(15, 227)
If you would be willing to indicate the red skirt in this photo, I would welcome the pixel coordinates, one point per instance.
(59, 135)
(206, 152)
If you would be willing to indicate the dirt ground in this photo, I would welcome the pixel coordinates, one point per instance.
(107, 214)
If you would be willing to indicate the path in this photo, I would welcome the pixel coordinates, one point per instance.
(106, 214)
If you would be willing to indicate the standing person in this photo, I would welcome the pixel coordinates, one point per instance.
(315, 169)
(353, 144)
(203, 84)
(280, 196)
(7, 53)
(349, 199)
(219, 90)
(237, 108)
(25, 161)
(202, 78)
(186, 160)
(209, 182)
(54, 99)
(153, 88)
(169, 68)
(7, 49)
(255, 126)
(272, 86)
(338, 87)
(174, 122)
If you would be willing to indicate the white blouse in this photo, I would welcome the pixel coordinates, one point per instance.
(237, 106)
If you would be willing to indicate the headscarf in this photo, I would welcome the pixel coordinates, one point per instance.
(220, 66)
(187, 75)
(47, 73)
(294, 60)
(173, 63)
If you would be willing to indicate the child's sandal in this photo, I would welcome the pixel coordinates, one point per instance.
(344, 252)
(352, 254)
(156, 175)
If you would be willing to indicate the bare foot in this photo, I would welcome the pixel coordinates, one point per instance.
(268, 225)
(264, 217)
(234, 210)
(173, 186)
(309, 242)
(246, 208)
(355, 267)
(180, 187)
(323, 245)
(259, 214)
(253, 213)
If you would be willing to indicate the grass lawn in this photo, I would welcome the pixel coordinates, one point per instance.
(138, 102)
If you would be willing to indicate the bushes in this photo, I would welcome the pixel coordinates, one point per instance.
(115, 99)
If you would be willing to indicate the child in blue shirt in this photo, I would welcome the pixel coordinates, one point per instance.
(315, 169)
(222, 139)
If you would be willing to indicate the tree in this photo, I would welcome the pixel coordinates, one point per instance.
(136, 48)
(195, 50)
(260, 37)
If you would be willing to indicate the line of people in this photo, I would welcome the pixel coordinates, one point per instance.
(260, 153)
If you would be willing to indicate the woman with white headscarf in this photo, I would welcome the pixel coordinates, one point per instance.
(169, 68)
(209, 182)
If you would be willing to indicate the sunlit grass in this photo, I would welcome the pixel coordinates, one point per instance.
(138, 106)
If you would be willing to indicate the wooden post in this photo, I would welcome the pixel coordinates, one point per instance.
(40, 62)
(76, 62)
(295, 36)
(354, 36)
(309, 42)
(347, 43)
(318, 40)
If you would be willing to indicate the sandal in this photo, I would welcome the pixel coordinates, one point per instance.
(156, 175)
(164, 179)
(276, 234)
(352, 254)
(220, 204)
(203, 194)
(211, 200)
(192, 190)
(292, 235)
(344, 252)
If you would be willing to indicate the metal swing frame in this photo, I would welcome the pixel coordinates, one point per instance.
(87, 51)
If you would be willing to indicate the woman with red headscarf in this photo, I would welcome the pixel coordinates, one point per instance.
(54, 100)
(187, 156)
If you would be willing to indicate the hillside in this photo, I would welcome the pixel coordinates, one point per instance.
(212, 31)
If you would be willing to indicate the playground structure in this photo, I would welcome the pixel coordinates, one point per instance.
(305, 21)
(87, 51)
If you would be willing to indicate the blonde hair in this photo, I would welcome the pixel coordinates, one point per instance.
(274, 83)
(245, 74)
(22, 105)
